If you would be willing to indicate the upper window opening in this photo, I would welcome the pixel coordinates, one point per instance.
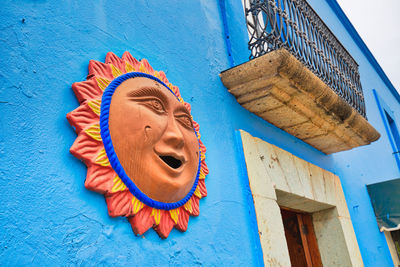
(394, 131)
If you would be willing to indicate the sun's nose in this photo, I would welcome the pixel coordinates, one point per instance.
(173, 135)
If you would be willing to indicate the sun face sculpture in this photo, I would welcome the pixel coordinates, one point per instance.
(140, 144)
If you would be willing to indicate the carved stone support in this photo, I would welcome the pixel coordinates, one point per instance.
(281, 90)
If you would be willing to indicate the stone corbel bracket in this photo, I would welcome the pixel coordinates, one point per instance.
(281, 90)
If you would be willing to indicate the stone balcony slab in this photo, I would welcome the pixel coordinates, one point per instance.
(281, 90)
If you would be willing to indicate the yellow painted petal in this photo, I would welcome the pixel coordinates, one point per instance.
(102, 158)
(95, 106)
(129, 67)
(157, 75)
(188, 206)
(203, 156)
(202, 175)
(118, 185)
(115, 71)
(197, 192)
(174, 214)
(102, 83)
(137, 205)
(157, 215)
(143, 69)
(94, 132)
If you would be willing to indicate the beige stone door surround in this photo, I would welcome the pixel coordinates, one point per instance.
(278, 178)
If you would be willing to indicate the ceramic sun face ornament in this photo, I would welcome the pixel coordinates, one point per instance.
(140, 143)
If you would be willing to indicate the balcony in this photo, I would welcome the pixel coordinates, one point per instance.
(300, 77)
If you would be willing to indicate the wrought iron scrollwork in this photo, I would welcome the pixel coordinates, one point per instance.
(294, 25)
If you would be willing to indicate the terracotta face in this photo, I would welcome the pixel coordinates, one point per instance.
(154, 139)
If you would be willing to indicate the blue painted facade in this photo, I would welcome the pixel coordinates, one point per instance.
(47, 217)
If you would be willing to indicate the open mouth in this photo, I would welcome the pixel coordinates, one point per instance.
(171, 161)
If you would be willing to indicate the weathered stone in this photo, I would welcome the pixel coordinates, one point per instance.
(259, 180)
(304, 177)
(271, 231)
(272, 165)
(392, 248)
(305, 130)
(324, 142)
(329, 181)
(286, 162)
(318, 182)
(279, 179)
(256, 94)
(281, 95)
(323, 124)
(330, 234)
(283, 117)
(351, 242)
(341, 204)
(293, 201)
(254, 85)
(302, 107)
(294, 98)
(262, 104)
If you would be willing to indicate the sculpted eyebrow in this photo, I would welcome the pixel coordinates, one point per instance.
(147, 91)
(182, 109)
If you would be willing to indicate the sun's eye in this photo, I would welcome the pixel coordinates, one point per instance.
(156, 104)
(186, 121)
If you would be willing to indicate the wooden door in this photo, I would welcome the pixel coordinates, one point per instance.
(300, 238)
(396, 240)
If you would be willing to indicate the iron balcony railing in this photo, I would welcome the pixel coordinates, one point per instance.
(294, 25)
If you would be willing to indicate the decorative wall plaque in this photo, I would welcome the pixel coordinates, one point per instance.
(140, 144)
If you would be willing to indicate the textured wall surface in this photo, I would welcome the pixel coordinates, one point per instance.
(47, 217)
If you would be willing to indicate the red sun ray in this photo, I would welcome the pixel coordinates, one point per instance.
(119, 204)
(113, 59)
(142, 221)
(183, 219)
(87, 90)
(166, 224)
(100, 178)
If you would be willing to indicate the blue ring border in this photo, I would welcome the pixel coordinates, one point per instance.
(112, 156)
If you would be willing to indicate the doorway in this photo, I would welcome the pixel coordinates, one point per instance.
(300, 238)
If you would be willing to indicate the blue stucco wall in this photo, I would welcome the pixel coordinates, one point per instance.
(47, 217)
